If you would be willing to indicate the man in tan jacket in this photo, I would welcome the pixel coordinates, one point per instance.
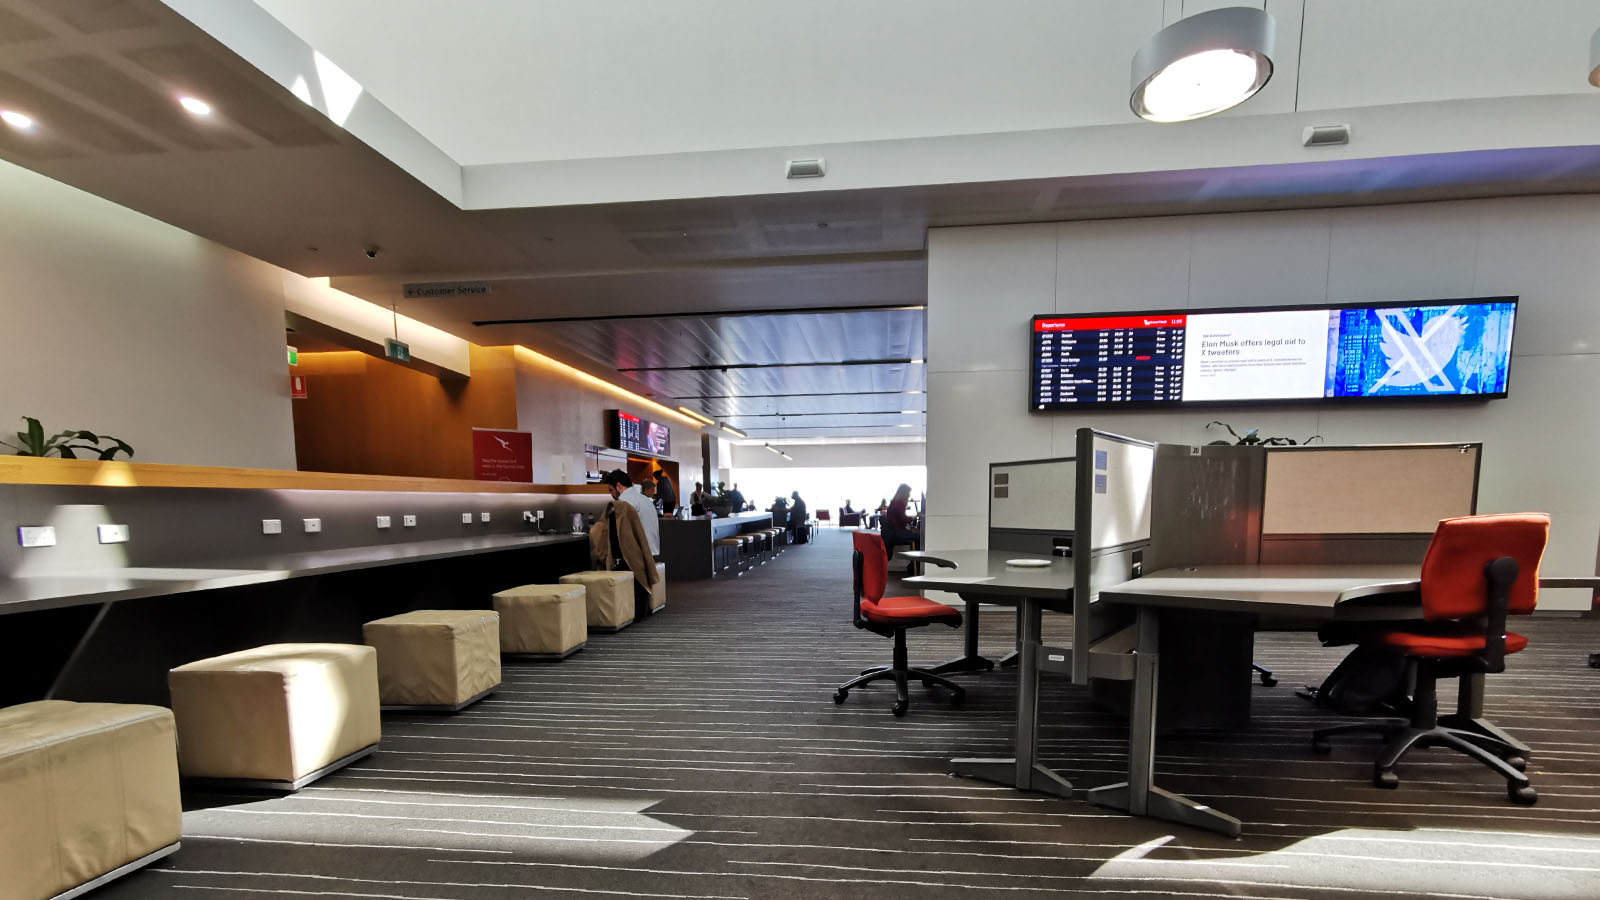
(619, 539)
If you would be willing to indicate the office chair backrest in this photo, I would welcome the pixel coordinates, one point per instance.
(1453, 570)
(873, 571)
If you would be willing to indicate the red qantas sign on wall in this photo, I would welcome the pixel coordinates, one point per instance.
(502, 455)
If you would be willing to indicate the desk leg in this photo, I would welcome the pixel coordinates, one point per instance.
(1469, 715)
(1022, 771)
(1139, 795)
(969, 660)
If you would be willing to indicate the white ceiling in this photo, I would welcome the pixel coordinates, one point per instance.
(510, 81)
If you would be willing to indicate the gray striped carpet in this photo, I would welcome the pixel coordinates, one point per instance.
(699, 754)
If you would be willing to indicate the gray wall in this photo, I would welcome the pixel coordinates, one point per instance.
(985, 283)
(114, 322)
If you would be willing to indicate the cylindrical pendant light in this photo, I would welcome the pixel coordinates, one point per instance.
(1204, 64)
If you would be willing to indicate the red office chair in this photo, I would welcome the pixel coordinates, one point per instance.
(822, 515)
(1476, 571)
(890, 617)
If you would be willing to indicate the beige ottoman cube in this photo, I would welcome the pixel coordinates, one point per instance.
(658, 594)
(88, 792)
(279, 716)
(609, 596)
(543, 621)
(443, 659)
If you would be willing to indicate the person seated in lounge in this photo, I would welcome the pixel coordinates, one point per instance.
(848, 509)
(898, 526)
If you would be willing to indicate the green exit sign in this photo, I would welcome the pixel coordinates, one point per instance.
(399, 351)
(294, 357)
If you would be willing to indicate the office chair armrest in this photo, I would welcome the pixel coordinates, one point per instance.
(1498, 576)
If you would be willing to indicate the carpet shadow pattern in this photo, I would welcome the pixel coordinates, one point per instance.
(699, 754)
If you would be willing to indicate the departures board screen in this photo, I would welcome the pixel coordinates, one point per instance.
(1443, 348)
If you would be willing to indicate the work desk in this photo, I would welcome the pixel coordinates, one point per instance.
(49, 591)
(982, 576)
(1305, 592)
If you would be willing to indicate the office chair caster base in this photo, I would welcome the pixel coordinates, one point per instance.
(869, 671)
(1517, 762)
(900, 707)
(839, 696)
(957, 698)
(1522, 794)
(1269, 681)
(1594, 660)
(1386, 780)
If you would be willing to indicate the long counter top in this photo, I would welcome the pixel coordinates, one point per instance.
(33, 592)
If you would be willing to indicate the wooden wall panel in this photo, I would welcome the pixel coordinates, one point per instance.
(368, 416)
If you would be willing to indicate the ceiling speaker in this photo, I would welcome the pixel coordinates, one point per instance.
(1325, 135)
(807, 168)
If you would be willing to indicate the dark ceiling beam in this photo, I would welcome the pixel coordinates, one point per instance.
(730, 314)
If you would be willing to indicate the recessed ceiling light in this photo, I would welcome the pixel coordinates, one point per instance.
(905, 425)
(195, 105)
(1204, 64)
(910, 392)
(910, 412)
(916, 362)
(16, 120)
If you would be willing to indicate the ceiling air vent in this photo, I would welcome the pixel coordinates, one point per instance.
(1325, 135)
(807, 168)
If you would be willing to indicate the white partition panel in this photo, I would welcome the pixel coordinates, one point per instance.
(1036, 495)
(1122, 475)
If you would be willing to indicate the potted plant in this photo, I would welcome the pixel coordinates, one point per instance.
(67, 444)
(1253, 438)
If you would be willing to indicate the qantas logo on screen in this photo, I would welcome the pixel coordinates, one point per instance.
(1112, 322)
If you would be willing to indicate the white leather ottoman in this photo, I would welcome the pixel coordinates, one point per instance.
(658, 594)
(542, 621)
(88, 793)
(436, 659)
(276, 717)
(609, 596)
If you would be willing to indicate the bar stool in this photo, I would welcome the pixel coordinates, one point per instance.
(724, 552)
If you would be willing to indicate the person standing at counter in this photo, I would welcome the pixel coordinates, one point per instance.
(629, 536)
(898, 527)
(797, 519)
(666, 493)
(735, 500)
(697, 500)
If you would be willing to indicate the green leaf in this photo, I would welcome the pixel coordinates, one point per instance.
(109, 453)
(89, 436)
(35, 431)
(66, 452)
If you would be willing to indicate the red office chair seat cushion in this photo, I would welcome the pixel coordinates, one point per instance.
(1444, 643)
(906, 610)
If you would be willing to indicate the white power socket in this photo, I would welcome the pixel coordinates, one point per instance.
(408, 521)
(272, 526)
(483, 517)
(383, 521)
(37, 535)
(313, 526)
(466, 518)
(112, 534)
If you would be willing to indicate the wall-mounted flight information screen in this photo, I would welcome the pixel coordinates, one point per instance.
(1446, 348)
(629, 432)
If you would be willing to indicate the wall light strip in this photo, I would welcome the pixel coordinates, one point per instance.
(734, 431)
(583, 377)
(689, 412)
